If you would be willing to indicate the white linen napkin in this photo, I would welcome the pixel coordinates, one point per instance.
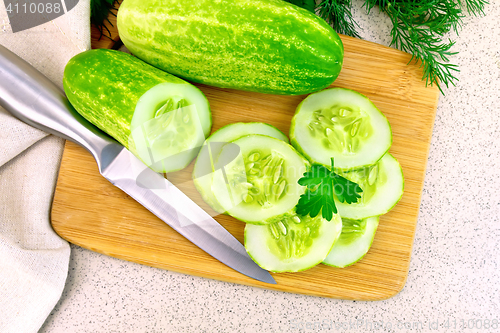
(33, 258)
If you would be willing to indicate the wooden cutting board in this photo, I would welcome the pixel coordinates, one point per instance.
(90, 212)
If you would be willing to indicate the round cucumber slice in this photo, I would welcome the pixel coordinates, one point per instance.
(343, 124)
(292, 243)
(169, 124)
(204, 167)
(262, 181)
(354, 242)
(382, 186)
(234, 131)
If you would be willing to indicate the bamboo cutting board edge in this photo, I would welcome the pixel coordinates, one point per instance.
(73, 234)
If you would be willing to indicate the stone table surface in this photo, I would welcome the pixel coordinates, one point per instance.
(454, 272)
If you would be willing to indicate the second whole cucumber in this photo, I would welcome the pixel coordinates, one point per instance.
(267, 46)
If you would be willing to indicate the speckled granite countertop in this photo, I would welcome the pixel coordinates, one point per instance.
(454, 275)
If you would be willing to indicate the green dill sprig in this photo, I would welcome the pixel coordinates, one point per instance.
(99, 11)
(310, 5)
(338, 14)
(475, 7)
(418, 27)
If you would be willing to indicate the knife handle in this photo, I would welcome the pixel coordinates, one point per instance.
(31, 97)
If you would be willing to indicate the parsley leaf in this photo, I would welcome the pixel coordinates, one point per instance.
(322, 184)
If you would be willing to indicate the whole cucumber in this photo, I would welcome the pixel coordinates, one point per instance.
(267, 46)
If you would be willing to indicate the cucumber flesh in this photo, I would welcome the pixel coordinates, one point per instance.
(291, 243)
(204, 168)
(343, 124)
(262, 182)
(382, 186)
(354, 242)
(234, 131)
(167, 127)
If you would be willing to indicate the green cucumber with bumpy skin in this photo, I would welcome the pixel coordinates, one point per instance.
(267, 46)
(204, 168)
(119, 93)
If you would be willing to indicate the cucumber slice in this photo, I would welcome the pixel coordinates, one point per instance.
(354, 242)
(234, 131)
(262, 181)
(204, 167)
(382, 186)
(169, 125)
(343, 124)
(292, 243)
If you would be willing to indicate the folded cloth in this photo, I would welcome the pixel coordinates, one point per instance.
(33, 258)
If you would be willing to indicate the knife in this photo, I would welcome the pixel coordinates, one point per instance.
(33, 98)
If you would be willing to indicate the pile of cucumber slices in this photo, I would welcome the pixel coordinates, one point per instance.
(251, 171)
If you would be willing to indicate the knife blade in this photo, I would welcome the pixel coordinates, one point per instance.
(31, 97)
